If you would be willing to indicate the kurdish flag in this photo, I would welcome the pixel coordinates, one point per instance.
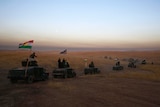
(27, 44)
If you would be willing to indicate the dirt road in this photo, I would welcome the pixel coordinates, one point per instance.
(82, 91)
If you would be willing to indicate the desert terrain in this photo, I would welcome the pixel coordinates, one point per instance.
(131, 87)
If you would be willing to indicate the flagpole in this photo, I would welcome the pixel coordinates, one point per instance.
(27, 63)
(26, 45)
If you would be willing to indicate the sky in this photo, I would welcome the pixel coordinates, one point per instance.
(106, 24)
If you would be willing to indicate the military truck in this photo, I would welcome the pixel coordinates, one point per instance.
(132, 62)
(131, 65)
(29, 73)
(117, 66)
(63, 73)
(91, 70)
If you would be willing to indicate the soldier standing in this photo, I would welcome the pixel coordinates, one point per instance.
(118, 63)
(59, 63)
(91, 64)
(33, 55)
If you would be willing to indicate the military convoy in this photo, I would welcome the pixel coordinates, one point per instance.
(30, 71)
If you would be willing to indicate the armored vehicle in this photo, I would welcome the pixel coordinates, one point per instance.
(64, 73)
(29, 74)
(131, 65)
(117, 66)
(132, 62)
(91, 70)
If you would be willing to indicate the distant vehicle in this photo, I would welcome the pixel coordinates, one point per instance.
(33, 73)
(117, 66)
(131, 65)
(91, 70)
(132, 62)
(143, 62)
(63, 73)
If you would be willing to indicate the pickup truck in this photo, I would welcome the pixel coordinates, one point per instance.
(63, 72)
(32, 73)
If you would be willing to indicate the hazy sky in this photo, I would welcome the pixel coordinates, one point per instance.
(81, 23)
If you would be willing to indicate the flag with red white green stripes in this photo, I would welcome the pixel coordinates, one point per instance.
(27, 44)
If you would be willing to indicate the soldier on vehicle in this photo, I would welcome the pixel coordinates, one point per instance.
(132, 63)
(67, 64)
(91, 65)
(33, 55)
(118, 63)
(63, 63)
(59, 63)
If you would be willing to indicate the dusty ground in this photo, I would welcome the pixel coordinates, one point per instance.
(100, 90)
(83, 91)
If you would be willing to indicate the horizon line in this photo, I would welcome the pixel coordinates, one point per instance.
(49, 48)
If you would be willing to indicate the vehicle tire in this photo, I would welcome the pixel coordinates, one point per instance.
(30, 79)
(94, 71)
(98, 71)
(91, 71)
(121, 67)
(85, 73)
(65, 76)
(13, 81)
(73, 74)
